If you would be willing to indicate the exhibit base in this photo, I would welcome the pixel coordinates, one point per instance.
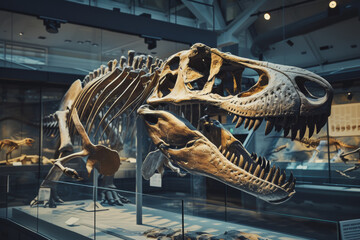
(120, 222)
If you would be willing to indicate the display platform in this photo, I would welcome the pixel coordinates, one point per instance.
(120, 222)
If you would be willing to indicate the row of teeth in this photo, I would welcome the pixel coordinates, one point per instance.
(261, 169)
(297, 126)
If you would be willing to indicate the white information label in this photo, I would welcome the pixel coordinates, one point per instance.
(155, 180)
(344, 120)
(16, 163)
(72, 221)
(44, 194)
(350, 229)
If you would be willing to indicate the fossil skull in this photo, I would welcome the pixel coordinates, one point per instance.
(281, 95)
(217, 154)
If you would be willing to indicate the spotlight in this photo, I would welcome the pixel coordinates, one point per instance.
(21, 33)
(267, 16)
(332, 4)
(349, 95)
(52, 25)
(333, 9)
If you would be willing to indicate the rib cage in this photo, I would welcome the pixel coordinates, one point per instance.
(111, 93)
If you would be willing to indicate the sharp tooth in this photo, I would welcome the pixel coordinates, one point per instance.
(220, 148)
(232, 157)
(321, 123)
(302, 131)
(257, 170)
(277, 128)
(291, 178)
(251, 123)
(253, 156)
(286, 131)
(246, 124)
(269, 176)
(257, 123)
(267, 167)
(227, 154)
(241, 161)
(285, 185)
(282, 179)
(262, 174)
(293, 132)
(276, 176)
(311, 125)
(291, 187)
(269, 126)
(235, 118)
(246, 166)
(250, 168)
(224, 151)
(239, 122)
(235, 160)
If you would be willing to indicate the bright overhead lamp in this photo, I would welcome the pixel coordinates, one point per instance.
(267, 16)
(332, 4)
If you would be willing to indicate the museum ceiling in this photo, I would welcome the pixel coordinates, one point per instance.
(287, 42)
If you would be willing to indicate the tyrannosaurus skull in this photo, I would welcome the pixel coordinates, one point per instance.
(282, 95)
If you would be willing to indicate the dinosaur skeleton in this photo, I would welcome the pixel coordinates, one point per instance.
(200, 75)
(104, 100)
(12, 145)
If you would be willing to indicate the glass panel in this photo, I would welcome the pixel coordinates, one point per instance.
(72, 220)
(121, 221)
(20, 135)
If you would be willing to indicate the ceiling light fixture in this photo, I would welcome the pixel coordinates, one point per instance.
(332, 4)
(52, 25)
(95, 45)
(267, 16)
(21, 33)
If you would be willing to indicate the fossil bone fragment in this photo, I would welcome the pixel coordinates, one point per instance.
(219, 155)
(104, 159)
(27, 159)
(12, 145)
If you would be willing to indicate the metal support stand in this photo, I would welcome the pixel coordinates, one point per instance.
(94, 205)
(139, 159)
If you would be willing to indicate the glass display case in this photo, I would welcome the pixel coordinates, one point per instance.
(124, 205)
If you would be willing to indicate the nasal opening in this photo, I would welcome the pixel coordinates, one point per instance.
(309, 88)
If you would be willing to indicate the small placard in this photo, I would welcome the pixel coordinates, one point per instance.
(350, 229)
(44, 194)
(71, 221)
(17, 163)
(155, 180)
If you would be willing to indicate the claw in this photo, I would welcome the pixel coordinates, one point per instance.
(72, 173)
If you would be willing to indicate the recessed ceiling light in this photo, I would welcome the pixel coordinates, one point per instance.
(21, 33)
(267, 16)
(80, 42)
(95, 45)
(67, 41)
(332, 4)
(88, 41)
